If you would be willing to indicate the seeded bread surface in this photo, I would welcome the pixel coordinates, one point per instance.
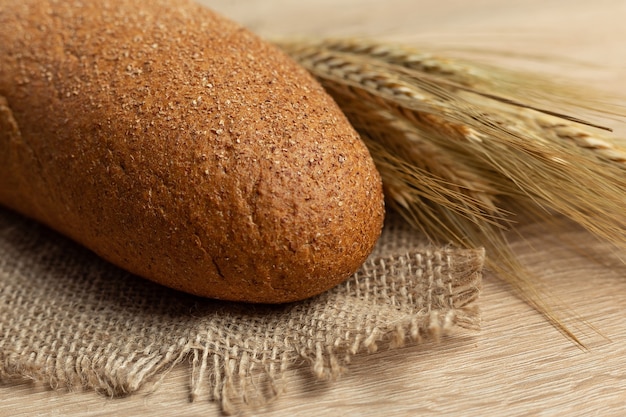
(182, 148)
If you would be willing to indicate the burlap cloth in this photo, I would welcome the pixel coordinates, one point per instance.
(69, 319)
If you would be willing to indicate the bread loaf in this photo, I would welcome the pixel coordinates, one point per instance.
(182, 148)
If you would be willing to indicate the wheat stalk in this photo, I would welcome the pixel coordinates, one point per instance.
(451, 142)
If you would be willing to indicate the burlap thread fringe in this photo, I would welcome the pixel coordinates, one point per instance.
(71, 320)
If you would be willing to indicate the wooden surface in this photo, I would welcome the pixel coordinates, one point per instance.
(518, 364)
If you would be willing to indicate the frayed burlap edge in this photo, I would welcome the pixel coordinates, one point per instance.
(69, 319)
(233, 371)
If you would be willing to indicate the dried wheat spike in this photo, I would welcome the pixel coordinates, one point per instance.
(455, 182)
(495, 139)
(354, 71)
(398, 55)
(419, 99)
(602, 147)
(491, 139)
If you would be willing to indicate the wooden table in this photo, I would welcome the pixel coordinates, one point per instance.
(518, 364)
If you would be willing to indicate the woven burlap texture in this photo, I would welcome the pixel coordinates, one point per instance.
(69, 319)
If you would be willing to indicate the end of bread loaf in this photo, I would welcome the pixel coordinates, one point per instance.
(184, 149)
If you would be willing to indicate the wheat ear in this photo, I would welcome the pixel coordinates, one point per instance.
(489, 134)
(525, 89)
(427, 193)
(535, 157)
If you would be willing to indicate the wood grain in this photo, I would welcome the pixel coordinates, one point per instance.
(518, 364)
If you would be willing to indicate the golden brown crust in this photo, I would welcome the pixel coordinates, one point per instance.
(182, 148)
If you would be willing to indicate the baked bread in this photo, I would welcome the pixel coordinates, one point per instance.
(182, 148)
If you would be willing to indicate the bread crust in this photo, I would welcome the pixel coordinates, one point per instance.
(182, 148)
